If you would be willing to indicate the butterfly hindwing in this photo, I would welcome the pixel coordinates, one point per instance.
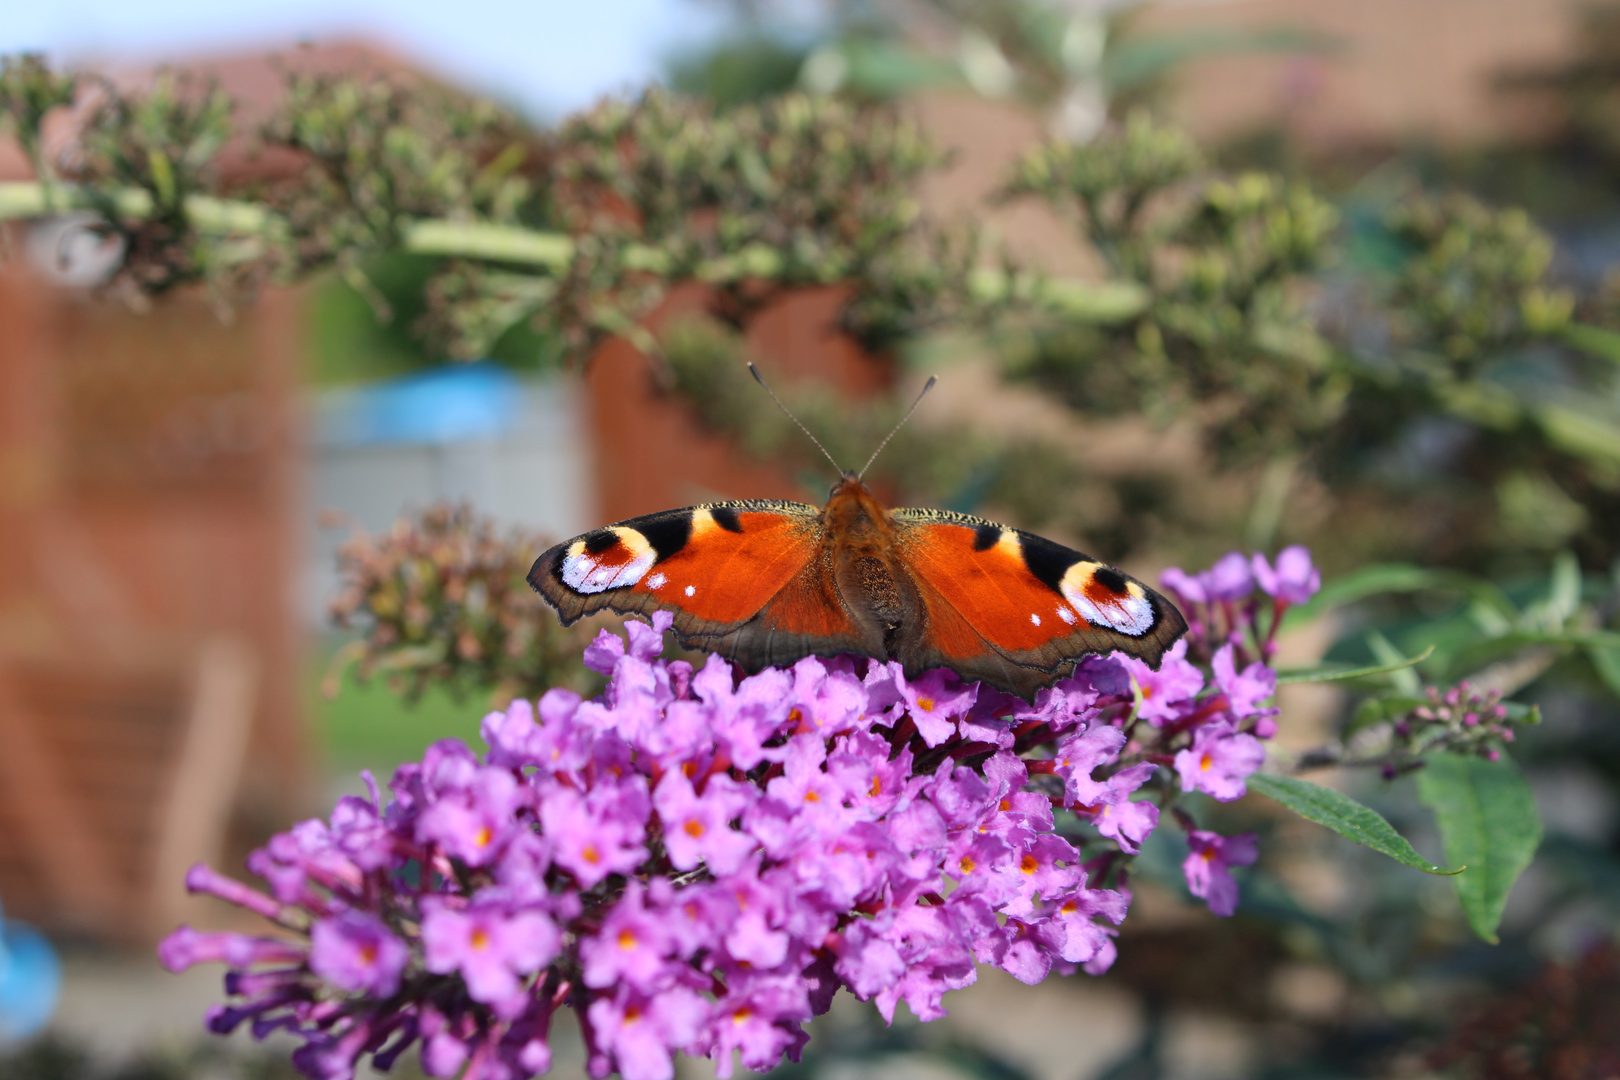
(1035, 604)
(742, 579)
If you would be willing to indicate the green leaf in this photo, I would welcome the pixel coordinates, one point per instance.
(1490, 824)
(1400, 578)
(1607, 663)
(1404, 679)
(1334, 673)
(1343, 815)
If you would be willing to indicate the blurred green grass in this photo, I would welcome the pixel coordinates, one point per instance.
(369, 726)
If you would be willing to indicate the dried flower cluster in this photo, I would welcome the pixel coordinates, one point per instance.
(696, 862)
(441, 599)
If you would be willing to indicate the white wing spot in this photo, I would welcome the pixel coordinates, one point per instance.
(1066, 615)
(657, 581)
(1034, 618)
(691, 590)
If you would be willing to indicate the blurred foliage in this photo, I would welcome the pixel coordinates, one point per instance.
(380, 152)
(573, 233)
(162, 143)
(441, 600)
(1560, 1025)
(1224, 259)
(1417, 329)
(29, 90)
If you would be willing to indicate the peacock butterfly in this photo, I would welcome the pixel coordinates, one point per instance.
(765, 583)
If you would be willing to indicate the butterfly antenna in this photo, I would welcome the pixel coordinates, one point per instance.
(761, 380)
(929, 385)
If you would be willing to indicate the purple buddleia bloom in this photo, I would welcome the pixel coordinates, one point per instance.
(1207, 867)
(697, 860)
(490, 947)
(1293, 580)
(1231, 578)
(354, 951)
(1218, 761)
(697, 829)
(1166, 694)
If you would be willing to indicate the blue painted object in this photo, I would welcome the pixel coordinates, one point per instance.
(30, 980)
(452, 403)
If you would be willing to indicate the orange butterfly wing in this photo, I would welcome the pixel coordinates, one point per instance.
(742, 579)
(1012, 608)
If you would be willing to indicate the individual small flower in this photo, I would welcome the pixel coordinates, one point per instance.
(1208, 863)
(631, 947)
(490, 947)
(593, 837)
(934, 701)
(1293, 579)
(1185, 587)
(1164, 694)
(1245, 690)
(354, 951)
(641, 1031)
(697, 828)
(1231, 578)
(1218, 761)
(1128, 823)
(473, 824)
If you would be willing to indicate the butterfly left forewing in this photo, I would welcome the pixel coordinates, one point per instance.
(741, 578)
(996, 596)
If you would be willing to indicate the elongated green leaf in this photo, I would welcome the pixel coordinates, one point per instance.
(1400, 578)
(1595, 340)
(1478, 653)
(1334, 673)
(1343, 815)
(1607, 663)
(1490, 824)
(1405, 679)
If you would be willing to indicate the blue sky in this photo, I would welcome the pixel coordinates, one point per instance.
(546, 56)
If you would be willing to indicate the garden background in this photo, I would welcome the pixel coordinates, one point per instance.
(1194, 278)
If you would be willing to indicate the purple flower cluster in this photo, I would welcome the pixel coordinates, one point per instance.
(1221, 605)
(696, 862)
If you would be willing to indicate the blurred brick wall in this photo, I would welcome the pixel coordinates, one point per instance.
(148, 499)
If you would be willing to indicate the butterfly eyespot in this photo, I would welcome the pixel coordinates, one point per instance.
(610, 559)
(1034, 618)
(1107, 598)
(691, 590)
(657, 581)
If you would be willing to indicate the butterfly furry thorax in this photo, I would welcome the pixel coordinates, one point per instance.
(767, 583)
